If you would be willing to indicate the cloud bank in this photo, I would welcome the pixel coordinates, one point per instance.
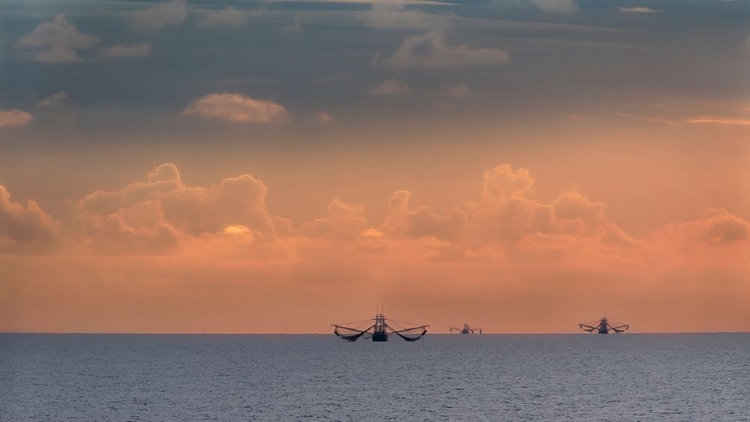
(160, 245)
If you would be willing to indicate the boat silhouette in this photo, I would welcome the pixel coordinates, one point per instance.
(379, 330)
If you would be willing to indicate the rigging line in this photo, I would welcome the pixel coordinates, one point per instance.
(404, 322)
(356, 322)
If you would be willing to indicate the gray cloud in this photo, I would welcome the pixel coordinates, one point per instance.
(295, 26)
(59, 41)
(127, 50)
(393, 14)
(236, 108)
(556, 6)
(53, 100)
(391, 87)
(638, 9)
(429, 51)
(227, 18)
(161, 15)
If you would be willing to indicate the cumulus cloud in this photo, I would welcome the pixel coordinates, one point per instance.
(193, 210)
(155, 18)
(503, 183)
(343, 222)
(422, 221)
(127, 50)
(58, 40)
(113, 235)
(54, 100)
(228, 17)
(236, 108)
(391, 87)
(715, 226)
(14, 118)
(638, 9)
(24, 225)
(429, 51)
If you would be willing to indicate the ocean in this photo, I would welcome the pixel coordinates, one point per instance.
(102, 377)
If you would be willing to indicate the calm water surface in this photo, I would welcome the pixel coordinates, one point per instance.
(698, 377)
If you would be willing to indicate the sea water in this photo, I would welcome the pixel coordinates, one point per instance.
(702, 377)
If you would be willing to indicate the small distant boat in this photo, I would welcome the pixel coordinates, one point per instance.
(604, 327)
(379, 331)
(465, 329)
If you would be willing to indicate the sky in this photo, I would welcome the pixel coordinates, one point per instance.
(279, 166)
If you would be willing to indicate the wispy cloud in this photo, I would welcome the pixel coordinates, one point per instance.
(391, 87)
(459, 91)
(14, 118)
(720, 121)
(155, 18)
(429, 51)
(393, 14)
(652, 119)
(236, 108)
(638, 9)
(295, 26)
(323, 117)
(224, 18)
(53, 100)
(59, 40)
(415, 2)
(556, 6)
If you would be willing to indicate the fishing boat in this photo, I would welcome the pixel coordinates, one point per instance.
(604, 326)
(465, 330)
(379, 329)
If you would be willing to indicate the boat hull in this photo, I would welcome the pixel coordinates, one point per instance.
(380, 336)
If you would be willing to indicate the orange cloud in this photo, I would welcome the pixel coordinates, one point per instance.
(194, 210)
(24, 226)
(14, 118)
(719, 121)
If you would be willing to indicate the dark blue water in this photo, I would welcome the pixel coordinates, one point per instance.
(292, 377)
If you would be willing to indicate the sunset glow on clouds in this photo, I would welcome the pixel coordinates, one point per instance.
(196, 166)
(502, 248)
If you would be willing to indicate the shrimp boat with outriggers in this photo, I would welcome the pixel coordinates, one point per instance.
(465, 330)
(604, 327)
(379, 330)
